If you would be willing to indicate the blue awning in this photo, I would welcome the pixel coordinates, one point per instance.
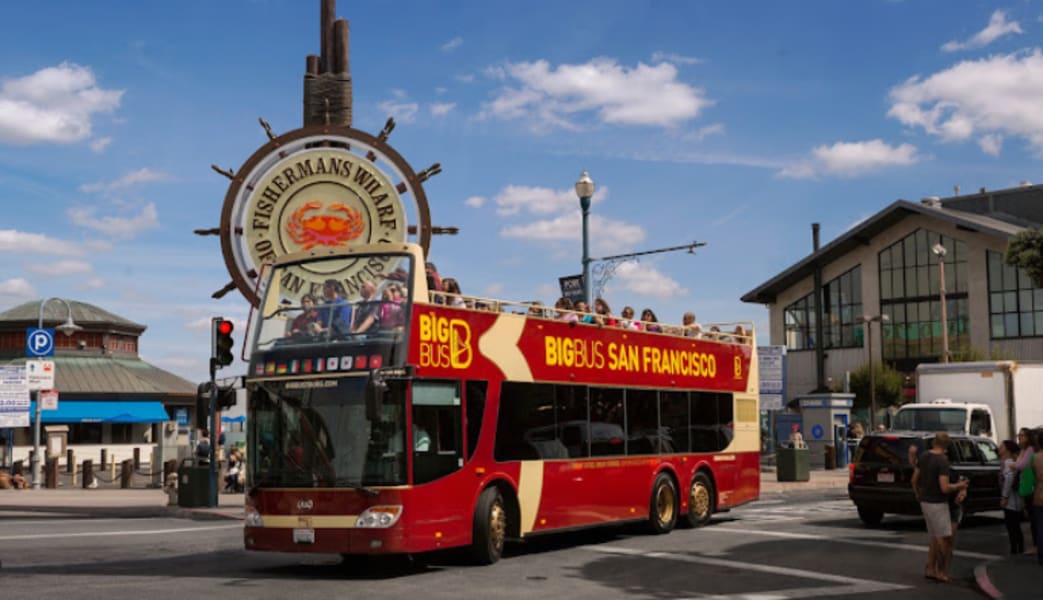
(103, 411)
(239, 419)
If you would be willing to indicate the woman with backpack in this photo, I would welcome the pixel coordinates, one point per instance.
(1010, 501)
(1027, 444)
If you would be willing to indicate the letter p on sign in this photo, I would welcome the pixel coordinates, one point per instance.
(39, 342)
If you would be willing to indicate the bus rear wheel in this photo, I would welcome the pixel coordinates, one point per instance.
(490, 527)
(700, 501)
(663, 508)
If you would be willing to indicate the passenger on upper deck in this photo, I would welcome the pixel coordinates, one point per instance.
(689, 327)
(434, 280)
(306, 323)
(627, 321)
(564, 308)
(739, 336)
(582, 308)
(651, 322)
(391, 314)
(536, 309)
(453, 297)
(335, 314)
(603, 314)
(368, 311)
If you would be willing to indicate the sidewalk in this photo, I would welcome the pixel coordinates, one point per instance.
(121, 503)
(139, 503)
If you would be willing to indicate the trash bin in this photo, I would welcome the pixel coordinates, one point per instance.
(791, 464)
(193, 484)
(831, 457)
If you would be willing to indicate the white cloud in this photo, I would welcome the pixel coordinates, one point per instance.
(441, 109)
(475, 201)
(441, 89)
(606, 235)
(133, 178)
(493, 290)
(16, 291)
(121, 227)
(645, 280)
(703, 132)
(464, 78)
(991, 143)
(540, 200)
(453, 44)
(404, 112)
(658, 57)
(53, 105)
(60, 268)
(561, 96)
(999, 94)
(850, 159)
(94, 283)
(998, 27)
(99, 145)
(36, 243)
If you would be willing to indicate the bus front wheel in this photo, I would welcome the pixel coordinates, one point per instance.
(700, 501)
(490, 527)
(662, 510)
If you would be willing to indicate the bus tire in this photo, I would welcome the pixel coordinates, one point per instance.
(871, 518)
(490, 527)
(663, 507)
(700, 501)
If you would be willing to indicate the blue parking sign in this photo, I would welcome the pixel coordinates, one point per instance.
(39, 342)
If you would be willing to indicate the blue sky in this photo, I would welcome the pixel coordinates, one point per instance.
(735, 124)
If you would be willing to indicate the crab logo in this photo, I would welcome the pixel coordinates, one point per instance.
(309, 230)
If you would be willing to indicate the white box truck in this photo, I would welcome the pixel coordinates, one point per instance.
(991, 398)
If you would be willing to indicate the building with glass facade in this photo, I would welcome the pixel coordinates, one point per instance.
(887, 266)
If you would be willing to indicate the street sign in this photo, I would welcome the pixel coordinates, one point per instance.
(14, 397)
(39, 342)
(771, 363)
(572, 287)
(49, 400)
(39, 374)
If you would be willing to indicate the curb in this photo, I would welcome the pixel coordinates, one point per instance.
(981, 578)
(204, 514)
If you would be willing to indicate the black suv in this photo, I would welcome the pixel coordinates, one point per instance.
(881, 473)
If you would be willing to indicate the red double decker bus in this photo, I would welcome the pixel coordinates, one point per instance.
(384, 419)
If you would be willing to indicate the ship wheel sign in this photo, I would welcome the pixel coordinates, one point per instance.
(319, 186)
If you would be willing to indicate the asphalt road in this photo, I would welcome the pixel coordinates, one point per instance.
(782, 547)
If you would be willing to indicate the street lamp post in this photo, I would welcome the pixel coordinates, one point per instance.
(68, 328)
(585, 191)
(939, 250)
(872, 374)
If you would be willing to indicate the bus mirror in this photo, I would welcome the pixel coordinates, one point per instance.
(376, 387)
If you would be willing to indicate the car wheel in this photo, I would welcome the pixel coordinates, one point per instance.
(871, 518)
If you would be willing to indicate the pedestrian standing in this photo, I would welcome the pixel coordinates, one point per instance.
(932, 487)
(1037, 493)
(1010, 501)
(1027, 449)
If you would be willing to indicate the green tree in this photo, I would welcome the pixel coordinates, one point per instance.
(1025, 251)
(888, 387)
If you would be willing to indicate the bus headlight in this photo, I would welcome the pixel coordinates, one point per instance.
(379, 517)
(253, 518)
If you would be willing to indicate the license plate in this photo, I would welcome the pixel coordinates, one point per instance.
(303, 536)
(885, 477)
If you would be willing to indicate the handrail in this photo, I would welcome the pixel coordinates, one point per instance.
(540, 311)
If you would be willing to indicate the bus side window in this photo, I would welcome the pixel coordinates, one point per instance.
(475, 401)
(607, 427)
(437, 438)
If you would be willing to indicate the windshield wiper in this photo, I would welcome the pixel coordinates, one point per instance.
(356, 486)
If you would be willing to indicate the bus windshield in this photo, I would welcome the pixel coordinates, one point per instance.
(341, 313)
(338, 432)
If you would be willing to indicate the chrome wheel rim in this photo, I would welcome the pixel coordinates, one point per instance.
(699, 501)
(664, 503)
(497, 525)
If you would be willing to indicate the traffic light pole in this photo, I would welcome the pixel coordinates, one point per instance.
(212, 496)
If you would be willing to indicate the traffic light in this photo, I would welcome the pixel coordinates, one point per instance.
(203, 406)
(221, 342)
(226, 397)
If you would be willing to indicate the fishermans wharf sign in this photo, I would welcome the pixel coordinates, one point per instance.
(318, 192)
(321, 187)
